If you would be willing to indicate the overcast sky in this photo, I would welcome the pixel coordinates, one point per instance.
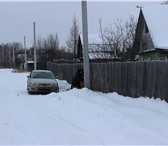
(16, 18)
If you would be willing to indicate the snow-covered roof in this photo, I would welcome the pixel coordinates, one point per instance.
(30, 61)
(92, 39)
(96, 47)
(157, 22)
(97, 50)
(99, 55)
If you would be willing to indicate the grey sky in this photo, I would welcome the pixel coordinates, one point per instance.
(56, 17)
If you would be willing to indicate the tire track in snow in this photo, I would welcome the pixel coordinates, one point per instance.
(79, 128)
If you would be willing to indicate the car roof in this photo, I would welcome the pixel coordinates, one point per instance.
(41, 71)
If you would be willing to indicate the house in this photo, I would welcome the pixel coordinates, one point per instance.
(151, 38)
(97, 49)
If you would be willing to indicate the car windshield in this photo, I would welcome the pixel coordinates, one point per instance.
(44, 75)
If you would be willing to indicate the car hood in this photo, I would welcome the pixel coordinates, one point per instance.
(43, 81)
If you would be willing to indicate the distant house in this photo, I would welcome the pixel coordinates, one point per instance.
(151, 38)
(97, 49)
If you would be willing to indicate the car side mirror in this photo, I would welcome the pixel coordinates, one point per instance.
(28, 77)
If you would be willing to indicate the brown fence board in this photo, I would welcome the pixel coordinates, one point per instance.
(135, 79)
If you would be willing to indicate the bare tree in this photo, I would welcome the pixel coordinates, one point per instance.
(47, 48)
(120, 37)
(17, 54)
(73, 37)
(103, 49)
(164, 3)
(11, 54)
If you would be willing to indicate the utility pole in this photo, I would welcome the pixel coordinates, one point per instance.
(25, 63)
(13, 52)
(85, 46)
(35, 56)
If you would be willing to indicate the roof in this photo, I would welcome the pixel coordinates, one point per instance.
(157, 22)
(92, 39)
(154, 50)
(95, 46)
(41, 71)
(100, 55)
(30, 61)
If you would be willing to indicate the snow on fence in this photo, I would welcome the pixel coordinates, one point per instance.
(148, 78)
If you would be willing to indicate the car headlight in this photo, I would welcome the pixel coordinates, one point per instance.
(55, 84)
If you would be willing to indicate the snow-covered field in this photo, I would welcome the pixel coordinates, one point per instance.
(77, 117)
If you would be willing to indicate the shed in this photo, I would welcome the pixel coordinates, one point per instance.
(151, 38)
(97, 49)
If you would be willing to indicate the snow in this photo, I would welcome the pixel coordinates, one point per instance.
(156, 18)
(93, 39)
(77, 116)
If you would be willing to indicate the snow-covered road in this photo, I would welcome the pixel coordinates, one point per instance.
(77, 116)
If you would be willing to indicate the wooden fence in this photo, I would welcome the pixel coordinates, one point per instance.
(134, 79)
